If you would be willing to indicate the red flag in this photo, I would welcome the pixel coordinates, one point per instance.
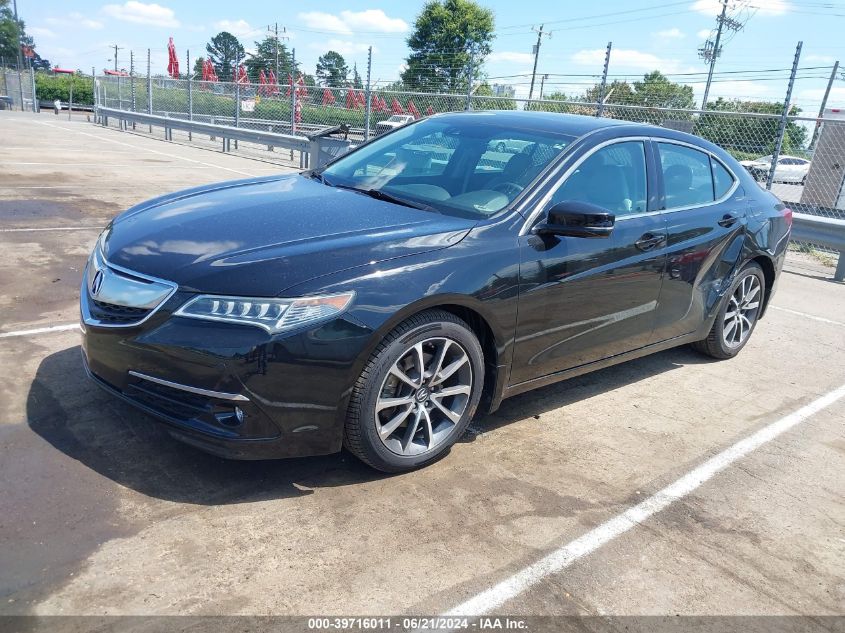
(429, 111)
(274, 85)
(412, 109)
(173, 60)
(375, 106)
(262, 83)
(383, 105)
(242, 76)
(301, 88)
(328, 97)
(396, 107)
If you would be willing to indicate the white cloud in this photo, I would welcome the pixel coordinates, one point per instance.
(824, 59)
(511, 56)
(141, 13)
(671, 34)
(373, 20)
(703, 34)
(344, 47)
(38, 31)
(765, 7)
(324, 22)
(627, 58)
(238, 28)
(815, 95)
(77, 20)
(350, 21)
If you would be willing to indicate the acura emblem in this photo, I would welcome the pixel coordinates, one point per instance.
(97, 283)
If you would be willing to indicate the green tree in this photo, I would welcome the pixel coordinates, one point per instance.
(332, 70)
(198, 64)
(356, 78)
(746, 136)
(224, 50)
(447, 35)
(264, 58)
(13, 35)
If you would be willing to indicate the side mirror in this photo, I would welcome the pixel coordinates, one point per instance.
(577, 219)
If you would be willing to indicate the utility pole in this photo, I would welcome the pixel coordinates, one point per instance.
(712, 50)
(823, 106)
(116, 48)
(542, 82)
(275, 31)
(540, 35)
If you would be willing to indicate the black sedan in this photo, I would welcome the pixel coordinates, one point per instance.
(380, 302)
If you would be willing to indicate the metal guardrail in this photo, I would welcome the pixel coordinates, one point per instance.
(829, 232)
(225, 132)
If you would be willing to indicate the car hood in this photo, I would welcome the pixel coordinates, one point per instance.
(258, 237)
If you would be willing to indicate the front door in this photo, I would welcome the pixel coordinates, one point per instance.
(584, 299)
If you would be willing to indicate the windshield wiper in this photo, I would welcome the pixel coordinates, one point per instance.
(380, 194)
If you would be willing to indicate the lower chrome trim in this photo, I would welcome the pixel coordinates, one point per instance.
(221, 395)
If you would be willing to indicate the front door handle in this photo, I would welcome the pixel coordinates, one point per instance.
(649, 241)
(728, 220)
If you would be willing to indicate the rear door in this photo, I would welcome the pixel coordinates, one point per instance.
(706, 214)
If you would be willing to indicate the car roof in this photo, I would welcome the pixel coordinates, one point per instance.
(570, 124)
(577, 125)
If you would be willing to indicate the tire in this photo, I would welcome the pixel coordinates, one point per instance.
(438, 407)
(729, 334)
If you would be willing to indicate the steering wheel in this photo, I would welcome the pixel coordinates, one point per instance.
(509, 188)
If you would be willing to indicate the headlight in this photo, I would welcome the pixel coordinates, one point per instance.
(272, 315)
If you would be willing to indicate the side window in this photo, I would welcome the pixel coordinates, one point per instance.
(613, 177)
(687, 178)
(722, 178)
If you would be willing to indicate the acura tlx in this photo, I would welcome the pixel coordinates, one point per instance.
(380, 302)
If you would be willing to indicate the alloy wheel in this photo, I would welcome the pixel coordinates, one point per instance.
(423, 396)
(742, 311)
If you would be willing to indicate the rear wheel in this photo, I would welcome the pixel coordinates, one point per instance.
(738, 315)
(417, 394)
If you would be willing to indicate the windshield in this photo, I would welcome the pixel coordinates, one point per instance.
(471, 169)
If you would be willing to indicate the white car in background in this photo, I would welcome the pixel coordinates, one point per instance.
(791, 169)
(395, 121)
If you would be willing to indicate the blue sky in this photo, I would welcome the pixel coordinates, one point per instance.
(662, 35)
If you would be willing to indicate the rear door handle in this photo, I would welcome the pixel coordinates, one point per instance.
(728, 220)
(649, 241)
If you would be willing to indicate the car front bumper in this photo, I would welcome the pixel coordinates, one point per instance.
(232, 390)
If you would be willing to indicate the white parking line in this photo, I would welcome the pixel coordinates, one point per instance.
(145, 149)
(812, 317)
(41, 330)
(565, 556)
(54, 228)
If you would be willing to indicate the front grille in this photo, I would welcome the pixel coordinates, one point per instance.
(170, 401)
(115, 314)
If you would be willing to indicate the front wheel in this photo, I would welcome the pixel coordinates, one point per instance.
(417, 394)
(738, 315)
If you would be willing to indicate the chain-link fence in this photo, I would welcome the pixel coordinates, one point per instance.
(17, 89)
